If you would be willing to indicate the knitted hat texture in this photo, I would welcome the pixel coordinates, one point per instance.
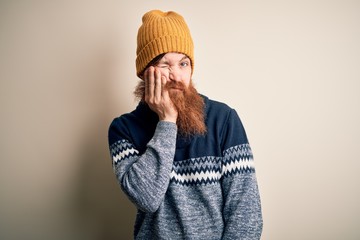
(162, 32)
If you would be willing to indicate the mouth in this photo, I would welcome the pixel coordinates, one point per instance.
(178, 88)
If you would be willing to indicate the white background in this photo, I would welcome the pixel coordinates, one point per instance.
(291, 69)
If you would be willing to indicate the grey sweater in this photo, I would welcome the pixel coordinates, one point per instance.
(199, 188)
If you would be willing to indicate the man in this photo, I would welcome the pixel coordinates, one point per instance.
(183, 160)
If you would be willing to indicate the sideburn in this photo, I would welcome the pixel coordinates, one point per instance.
(139, 91)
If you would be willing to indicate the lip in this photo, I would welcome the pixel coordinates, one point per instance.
(177, 89)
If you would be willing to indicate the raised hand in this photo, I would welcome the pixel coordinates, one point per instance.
(157, 96)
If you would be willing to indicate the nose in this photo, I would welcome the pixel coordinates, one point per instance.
(174, 74)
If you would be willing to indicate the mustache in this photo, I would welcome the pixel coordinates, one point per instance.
(177, 85)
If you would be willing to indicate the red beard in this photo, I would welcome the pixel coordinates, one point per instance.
(189, 104)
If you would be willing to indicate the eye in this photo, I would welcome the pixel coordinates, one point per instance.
(184, 64)
(163, 66)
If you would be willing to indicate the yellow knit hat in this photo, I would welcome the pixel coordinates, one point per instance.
(162, 32)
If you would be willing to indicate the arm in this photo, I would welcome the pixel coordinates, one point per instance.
(145, 178)
(242, 207)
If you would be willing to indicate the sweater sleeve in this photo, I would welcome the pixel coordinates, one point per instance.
(242, 207)
(144, 178)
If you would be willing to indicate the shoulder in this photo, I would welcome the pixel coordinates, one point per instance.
(216, 109)
(215, 105)
(225, 121)
(141, 115)
(133, 126)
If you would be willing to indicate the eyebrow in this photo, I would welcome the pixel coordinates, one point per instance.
(185, 57)
(167, 62)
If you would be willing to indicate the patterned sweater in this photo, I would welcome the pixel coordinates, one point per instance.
(199, 188)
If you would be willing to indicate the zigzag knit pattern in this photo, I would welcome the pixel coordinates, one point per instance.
(122, 149)
(238, 159)
(208, 170)
(203, 170)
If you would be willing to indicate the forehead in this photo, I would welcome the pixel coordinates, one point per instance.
(173, 57)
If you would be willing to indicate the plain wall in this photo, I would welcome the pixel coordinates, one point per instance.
(291, 69)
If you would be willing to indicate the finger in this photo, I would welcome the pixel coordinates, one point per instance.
(145, 76)
(158, 87)
(150, 83)
(164, 91)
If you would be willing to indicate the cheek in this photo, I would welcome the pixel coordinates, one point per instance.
(187, 78)
(164, 72)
